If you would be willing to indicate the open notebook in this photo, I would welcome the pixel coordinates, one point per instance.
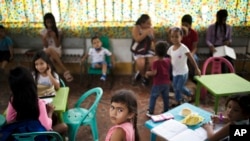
(173, 130)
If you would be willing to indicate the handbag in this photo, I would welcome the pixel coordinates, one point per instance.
(141, 47)
(45, 91)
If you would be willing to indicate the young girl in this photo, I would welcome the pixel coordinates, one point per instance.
(24, 103)
(237, 113)
(51, 38)
(45, 74)
(179, 53)
(123, 114)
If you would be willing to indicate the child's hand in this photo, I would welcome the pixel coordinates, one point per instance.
(208, 126)
(48, 71)
(216, 118)
(50, 109)
(198, 71)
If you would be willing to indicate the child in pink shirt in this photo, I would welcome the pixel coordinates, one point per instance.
(123, 113)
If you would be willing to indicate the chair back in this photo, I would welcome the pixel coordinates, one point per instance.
(62, 83)
(31, 136)
(106, 44)
(216, 63)
(94, 91)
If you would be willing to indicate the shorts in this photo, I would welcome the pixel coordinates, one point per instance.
(4, 56)
(149, 54)
(56, 49)
(99, 63)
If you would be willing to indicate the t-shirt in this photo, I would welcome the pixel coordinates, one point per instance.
(190, 39)
(163, 71)
(5, 43)
(43, 116)
(179, 59)
(98, 56)
(127, 128)
(44, 80)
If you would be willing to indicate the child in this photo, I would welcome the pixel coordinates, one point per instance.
(190, 40)
(45, 74)
(6, 49)
(160, 72)
(179, 53)
(237, 113)
(123, 113)
(51, 38)
(43, 71)
(97, 54)
(24, 103)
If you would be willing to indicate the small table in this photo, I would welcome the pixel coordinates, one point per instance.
(221, 85)
(176, 113)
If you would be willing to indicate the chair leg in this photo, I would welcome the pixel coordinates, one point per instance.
(72, 131)
(94, 129)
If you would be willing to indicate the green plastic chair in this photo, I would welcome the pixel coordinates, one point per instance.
(91, 71)
(2, 120)
(31, 136)
(79, 116)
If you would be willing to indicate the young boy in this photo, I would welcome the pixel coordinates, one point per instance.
(97, 54)
(161, 77)
(6, 49)
(190, 40)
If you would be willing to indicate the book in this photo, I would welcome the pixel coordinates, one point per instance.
(173, 130)
(225, 51)
(162, 117)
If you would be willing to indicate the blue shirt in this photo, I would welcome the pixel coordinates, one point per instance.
(5, 43)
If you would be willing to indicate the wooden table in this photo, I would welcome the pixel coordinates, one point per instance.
(221, 85)
(177, 116)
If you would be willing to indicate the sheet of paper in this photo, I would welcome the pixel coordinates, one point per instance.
(188, 135)
(224, 51)
(169, 129)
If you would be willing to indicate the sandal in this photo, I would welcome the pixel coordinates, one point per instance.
(68, 77)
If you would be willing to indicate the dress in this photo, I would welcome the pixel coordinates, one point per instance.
(5, 43)
(161, 83)
(43, 116)
(127, 127)
(51, 42)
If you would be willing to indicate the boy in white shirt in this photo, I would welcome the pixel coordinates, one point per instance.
(97, 54)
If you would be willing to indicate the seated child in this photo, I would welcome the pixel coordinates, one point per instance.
(6, 48)
(97, 54)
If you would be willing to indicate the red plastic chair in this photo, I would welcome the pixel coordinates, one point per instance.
(215, 63)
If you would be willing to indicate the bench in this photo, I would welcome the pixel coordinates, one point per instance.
(241, 46)
(72, 48)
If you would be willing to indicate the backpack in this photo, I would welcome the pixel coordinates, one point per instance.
(7, 130)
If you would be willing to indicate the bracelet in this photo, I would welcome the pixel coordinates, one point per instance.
(221, 118)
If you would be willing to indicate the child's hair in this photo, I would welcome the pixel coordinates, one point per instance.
(42, 55)
(1, 27)
(127, 97)
(242, 100)
(24, 97)
(93, 38)
(187, 18)
(161, 48)
(177, 29)
(220, 16)
(52, 18)
(143, 18)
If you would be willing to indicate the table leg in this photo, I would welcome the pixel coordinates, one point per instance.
(216, 104)
(152, 137)
(198, 93)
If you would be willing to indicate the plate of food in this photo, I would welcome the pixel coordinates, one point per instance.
(192, 119)
(185, 112)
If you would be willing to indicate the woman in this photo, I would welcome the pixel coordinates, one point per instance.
(143, 33)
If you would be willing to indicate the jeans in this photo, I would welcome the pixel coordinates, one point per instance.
(155, 92)
(179, 82)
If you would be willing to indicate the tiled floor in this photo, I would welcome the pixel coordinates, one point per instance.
(121, 82)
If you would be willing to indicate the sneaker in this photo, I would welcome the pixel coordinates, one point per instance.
(149, 114)
(145, 81)
(103, 78)
(137, 76)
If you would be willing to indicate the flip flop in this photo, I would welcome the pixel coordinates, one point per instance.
(68, 77)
